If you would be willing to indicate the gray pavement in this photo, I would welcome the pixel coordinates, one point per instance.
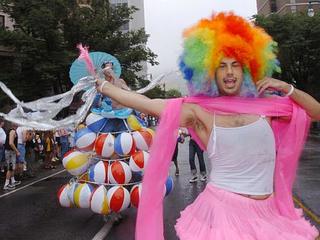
(33, 212)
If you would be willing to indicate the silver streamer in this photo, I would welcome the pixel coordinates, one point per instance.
(39, 114)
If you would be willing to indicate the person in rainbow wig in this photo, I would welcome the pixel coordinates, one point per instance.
(253, 139)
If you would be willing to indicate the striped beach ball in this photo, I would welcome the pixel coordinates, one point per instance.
(84, 139)
(99, 203)
(70, 193)
(98, 173)
(138, 161)
(152, 132)
(95, 122)
(133, 123)
(119, 173)
(82, 195)
(118, 198)
(135, 194)
(168, 186)
(142, 139)
(75, 162)
(63, 196)
(104, 146)
(124, 144)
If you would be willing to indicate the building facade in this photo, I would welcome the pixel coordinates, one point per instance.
(267, 7)
(136, 23)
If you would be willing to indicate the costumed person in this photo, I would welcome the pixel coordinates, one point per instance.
(253, 139)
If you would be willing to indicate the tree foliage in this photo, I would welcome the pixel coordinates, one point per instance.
(298, 37)
(46, 34)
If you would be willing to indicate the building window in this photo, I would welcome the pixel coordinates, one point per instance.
(273, 6)
(2, 22)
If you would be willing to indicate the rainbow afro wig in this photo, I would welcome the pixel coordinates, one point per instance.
(226, 35)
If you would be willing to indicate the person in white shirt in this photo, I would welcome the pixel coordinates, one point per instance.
(3, 137)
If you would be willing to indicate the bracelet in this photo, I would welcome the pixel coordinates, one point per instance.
(290, 91)
(102, 85)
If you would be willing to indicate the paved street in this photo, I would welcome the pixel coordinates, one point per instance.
(33, 212)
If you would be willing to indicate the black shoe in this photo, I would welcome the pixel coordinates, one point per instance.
(177, 173)
(193, 179)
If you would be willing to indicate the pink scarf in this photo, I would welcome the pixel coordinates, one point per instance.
(290, 137)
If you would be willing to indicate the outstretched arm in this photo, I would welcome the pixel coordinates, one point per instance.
(144, 104)
(131, 99)
(307, 102)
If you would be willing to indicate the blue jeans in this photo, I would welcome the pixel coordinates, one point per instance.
(64, 147)
(193, 150)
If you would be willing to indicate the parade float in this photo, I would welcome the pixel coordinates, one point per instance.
(112, 151)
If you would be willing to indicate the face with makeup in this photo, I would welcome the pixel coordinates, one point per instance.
(229, 77)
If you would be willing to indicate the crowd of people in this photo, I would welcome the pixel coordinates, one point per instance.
(23, 151)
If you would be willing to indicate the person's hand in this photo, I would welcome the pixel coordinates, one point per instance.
(108, 74)
(101, 84)
(268, 83)
(18, 153)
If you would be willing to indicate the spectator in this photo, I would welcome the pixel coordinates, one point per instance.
(38, 147)
(30, 154)
(193, 150)
(3, 138)
(11, 154)
(180, 139)
(64, 134)
(49, 145)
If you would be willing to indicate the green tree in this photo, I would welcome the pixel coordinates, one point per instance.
(298, 37)
(173, 93)
(46, 34)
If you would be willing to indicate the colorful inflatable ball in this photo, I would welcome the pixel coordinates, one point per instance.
(138, 161)
(99, 202)
(98, 173)
(124, 144)
(95, 122)
(63, 197)
(119, 173)
(82, 195)
(133, 123)
(168, 186)
(142, 139)
(84, 139)
(118, 198)
(104, 146)
(75, 162)
(135, 194)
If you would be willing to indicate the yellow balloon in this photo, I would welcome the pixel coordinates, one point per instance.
(134, 123)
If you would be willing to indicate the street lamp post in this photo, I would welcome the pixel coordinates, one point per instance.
(310, 8)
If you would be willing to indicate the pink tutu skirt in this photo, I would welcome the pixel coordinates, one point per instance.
(221, 215)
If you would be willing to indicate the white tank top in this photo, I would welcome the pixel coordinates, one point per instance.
(243, 158)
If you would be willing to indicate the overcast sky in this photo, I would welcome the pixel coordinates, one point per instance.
(166, 19)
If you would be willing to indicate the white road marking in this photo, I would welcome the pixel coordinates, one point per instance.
(32, 183)
(103, 231)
